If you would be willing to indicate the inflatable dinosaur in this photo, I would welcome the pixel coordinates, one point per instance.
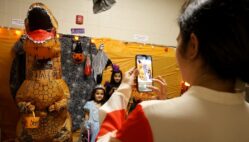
(42, 97)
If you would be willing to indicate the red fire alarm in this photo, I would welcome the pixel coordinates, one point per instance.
(79, 19)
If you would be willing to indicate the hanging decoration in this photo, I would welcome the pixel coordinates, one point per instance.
(80, 86)
(88, 68)
(102, 5)
(100, 62)
(77, 53)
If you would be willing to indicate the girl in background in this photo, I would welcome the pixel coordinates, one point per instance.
(115, 81)
(90, 127)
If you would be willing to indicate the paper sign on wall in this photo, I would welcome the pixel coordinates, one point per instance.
(18, 22)
(77, 30)
(140, 38)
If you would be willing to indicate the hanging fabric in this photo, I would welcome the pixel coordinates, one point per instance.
(88, 68)
(102, 5)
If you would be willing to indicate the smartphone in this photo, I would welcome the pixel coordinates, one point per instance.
(144, 78)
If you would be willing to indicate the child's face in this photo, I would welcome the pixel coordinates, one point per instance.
(99, 95)
(117, 77)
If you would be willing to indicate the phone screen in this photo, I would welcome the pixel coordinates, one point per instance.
(144, 66)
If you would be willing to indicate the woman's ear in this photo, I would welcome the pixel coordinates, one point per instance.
(193, 49)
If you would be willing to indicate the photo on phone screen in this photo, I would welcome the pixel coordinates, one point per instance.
(144, 78)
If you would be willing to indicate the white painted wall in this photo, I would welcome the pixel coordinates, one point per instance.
(153, 18)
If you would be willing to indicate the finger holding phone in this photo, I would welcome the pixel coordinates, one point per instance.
(161, 91)
(145, 77)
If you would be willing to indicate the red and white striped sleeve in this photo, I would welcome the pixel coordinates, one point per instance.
(115, 124)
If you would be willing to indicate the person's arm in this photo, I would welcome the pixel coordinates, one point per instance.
(113, 113)
(86, 118)
(116, 128)
(136, 127)
(114, 125)
(86, 114)
(112, 90)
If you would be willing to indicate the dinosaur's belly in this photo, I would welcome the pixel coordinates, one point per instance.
(41, 93)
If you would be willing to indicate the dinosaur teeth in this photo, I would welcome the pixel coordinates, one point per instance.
(39, 41)
(36, 6)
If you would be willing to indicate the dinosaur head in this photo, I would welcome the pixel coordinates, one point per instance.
(41, 28)
(39, 17)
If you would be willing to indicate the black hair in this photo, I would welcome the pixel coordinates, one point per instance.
(112, 81)
(222, 29)
(93, 94)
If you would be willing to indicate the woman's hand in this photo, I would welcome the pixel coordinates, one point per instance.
(130, 76)
(161, 91)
